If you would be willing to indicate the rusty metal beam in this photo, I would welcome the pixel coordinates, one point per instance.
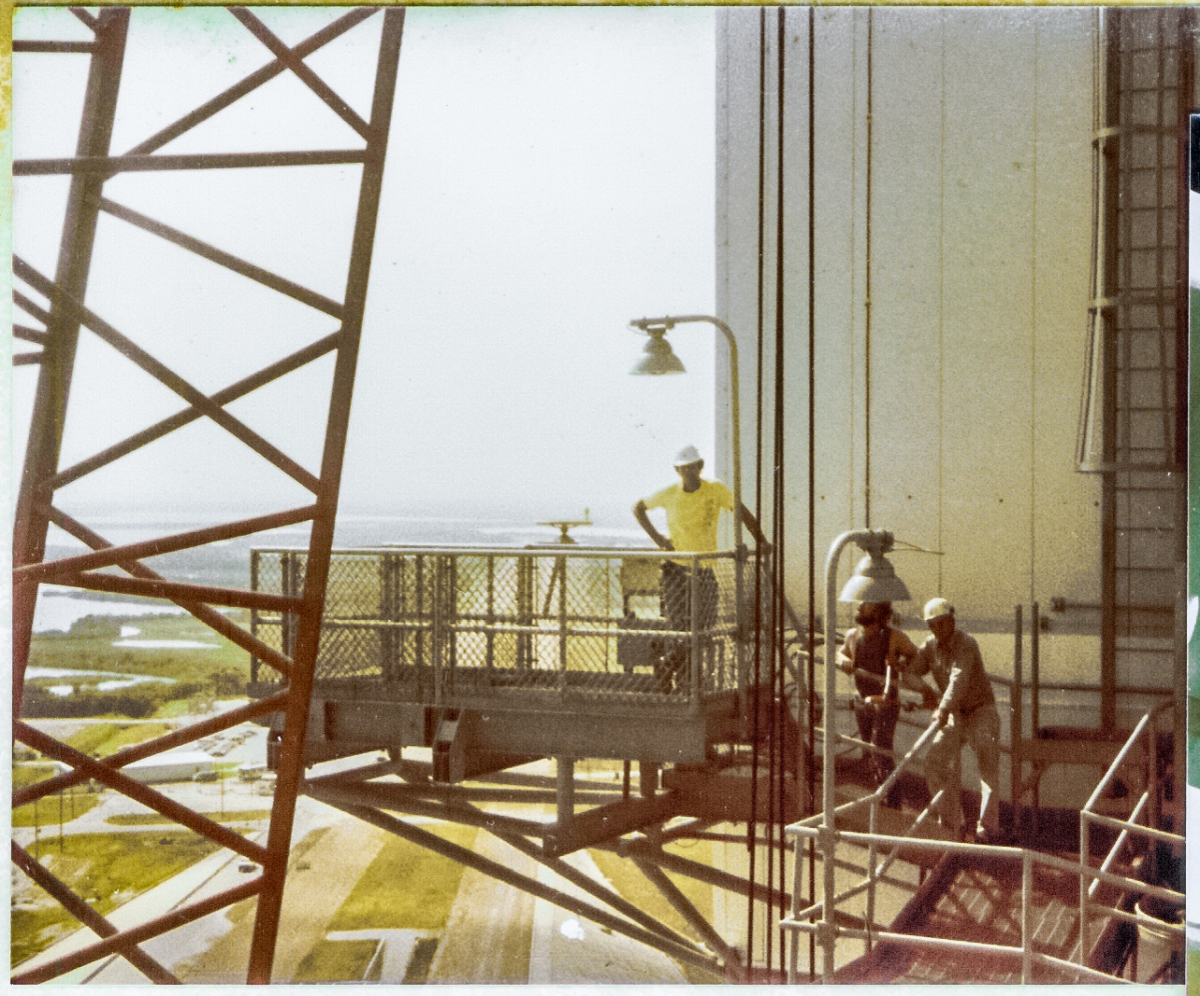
(59, 47)
(26, 334)
(177, 590)
(210, 617)
(296, 64)
(82, 912)
(250, 83)
(165, 375)
(54, 375)
(152, 928)
(188, 415)
(308, 630)
(108, 166)
(101, 772)
(185, 735)
(240, 266)
(114, 556)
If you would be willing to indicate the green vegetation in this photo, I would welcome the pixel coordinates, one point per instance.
(406, 886)
(107, 870)
(199, 674)
(74, 804)
(75, 801)
(103, 739)
(337, 961)
(156, 819)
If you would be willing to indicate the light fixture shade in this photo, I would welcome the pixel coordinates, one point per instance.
(875, 580)
(658, 357)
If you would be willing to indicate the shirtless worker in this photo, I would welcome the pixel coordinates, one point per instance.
(693, 506)
(873, 646)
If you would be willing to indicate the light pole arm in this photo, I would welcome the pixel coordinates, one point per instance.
(734, 380)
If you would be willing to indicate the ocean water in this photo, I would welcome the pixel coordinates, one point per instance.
(227, 563)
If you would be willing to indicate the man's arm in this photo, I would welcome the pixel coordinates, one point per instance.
(660, 541)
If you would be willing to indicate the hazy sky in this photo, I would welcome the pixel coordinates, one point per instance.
(549, 177)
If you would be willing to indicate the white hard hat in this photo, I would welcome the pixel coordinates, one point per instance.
(935, 608)
(689, 454)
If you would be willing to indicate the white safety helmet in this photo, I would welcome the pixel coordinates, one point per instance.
(687, 455)
(935, 608)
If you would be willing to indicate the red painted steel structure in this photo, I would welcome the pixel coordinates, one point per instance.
(42, 476)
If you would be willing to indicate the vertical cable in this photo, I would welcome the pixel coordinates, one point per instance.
(867, 268)
(1033, 296)
(812, 592)
(812, 382)
(755, 730)
(941, 394)
(776, 827)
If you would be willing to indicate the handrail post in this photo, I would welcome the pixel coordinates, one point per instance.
(1016, 723)
(871, 878)
(696, 661)
(1085, 846)
(1026, 917)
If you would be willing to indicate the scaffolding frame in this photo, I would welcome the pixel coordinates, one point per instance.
(62, 320)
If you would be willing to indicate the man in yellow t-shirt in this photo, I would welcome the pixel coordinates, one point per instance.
(693, 506)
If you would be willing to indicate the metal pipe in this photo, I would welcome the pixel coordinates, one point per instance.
(1016, 721)
(1113, 851)
(828, 798)
(1116, 764)
(1026, 918)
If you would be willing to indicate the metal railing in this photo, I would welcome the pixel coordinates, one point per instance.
(445, 622)
(1148, 807)
(827, 929)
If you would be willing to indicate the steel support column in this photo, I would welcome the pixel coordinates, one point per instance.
(58, 357)
(291, 764)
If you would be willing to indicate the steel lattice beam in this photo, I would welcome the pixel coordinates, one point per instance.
(66, 316)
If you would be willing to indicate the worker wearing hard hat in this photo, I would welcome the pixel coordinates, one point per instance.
(693, 506)
(876, 655)
(966, 713)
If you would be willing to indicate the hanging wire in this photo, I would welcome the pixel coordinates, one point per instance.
(812, 452)
(777, 767)
(752, 705)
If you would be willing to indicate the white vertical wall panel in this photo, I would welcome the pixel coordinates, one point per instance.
(978, 256)
(987, 309)
(905, 260)
(1066, 526)
(840, 202)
